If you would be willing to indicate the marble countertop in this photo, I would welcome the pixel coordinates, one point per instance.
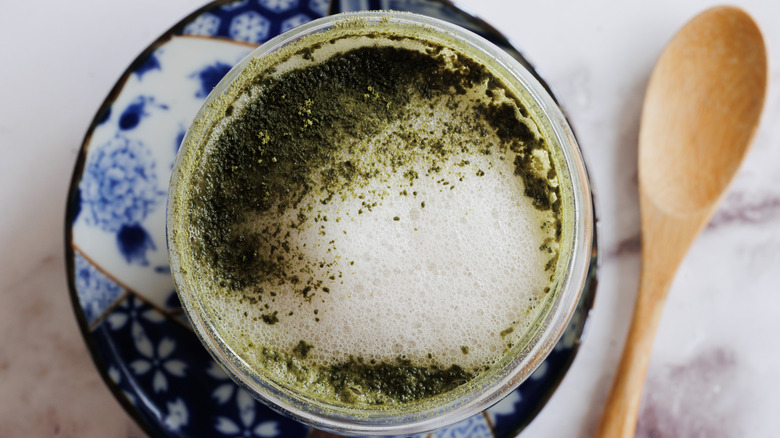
(714, 367)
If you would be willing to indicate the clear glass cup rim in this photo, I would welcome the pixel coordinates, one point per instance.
(354, 421)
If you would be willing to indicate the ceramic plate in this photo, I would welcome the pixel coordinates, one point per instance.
(117, 262)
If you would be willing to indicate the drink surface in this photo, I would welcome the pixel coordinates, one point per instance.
(374, 221)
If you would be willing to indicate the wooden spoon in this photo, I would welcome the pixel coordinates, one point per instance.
(701, 110)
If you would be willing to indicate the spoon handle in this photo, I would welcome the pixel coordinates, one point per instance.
(622, 407)
(665, 241)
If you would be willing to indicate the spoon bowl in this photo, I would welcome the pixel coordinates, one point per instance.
(701, 110)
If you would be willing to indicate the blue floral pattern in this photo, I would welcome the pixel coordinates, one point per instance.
(118, 191)
(250, 27)
(158, 362)
(96, 292)
(177, 388)
(254, 21)
(204, 25)
(132, 313)
(226, 389)
(155, 364)
(246, 425)
(177, 415)
(119, 185)
(244, 420)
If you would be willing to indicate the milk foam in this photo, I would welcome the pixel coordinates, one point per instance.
(448, 260)
(454, 273)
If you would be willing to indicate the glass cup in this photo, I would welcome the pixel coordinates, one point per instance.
(522, 359)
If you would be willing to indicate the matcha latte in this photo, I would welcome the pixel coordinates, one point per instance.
(371, 216)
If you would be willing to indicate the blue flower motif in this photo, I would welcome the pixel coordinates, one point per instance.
(250, 27)
(246, 426)
(118, 190)
(205, 25)
(96, 291)
(119, 185)
(178, 415)
(225, 390)
(132, 311)
(157, 361)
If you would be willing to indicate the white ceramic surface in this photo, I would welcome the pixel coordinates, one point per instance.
(713, 371)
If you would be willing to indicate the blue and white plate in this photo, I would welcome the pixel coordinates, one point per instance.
(117, 262)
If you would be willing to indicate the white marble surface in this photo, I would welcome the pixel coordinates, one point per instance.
(714, 367)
